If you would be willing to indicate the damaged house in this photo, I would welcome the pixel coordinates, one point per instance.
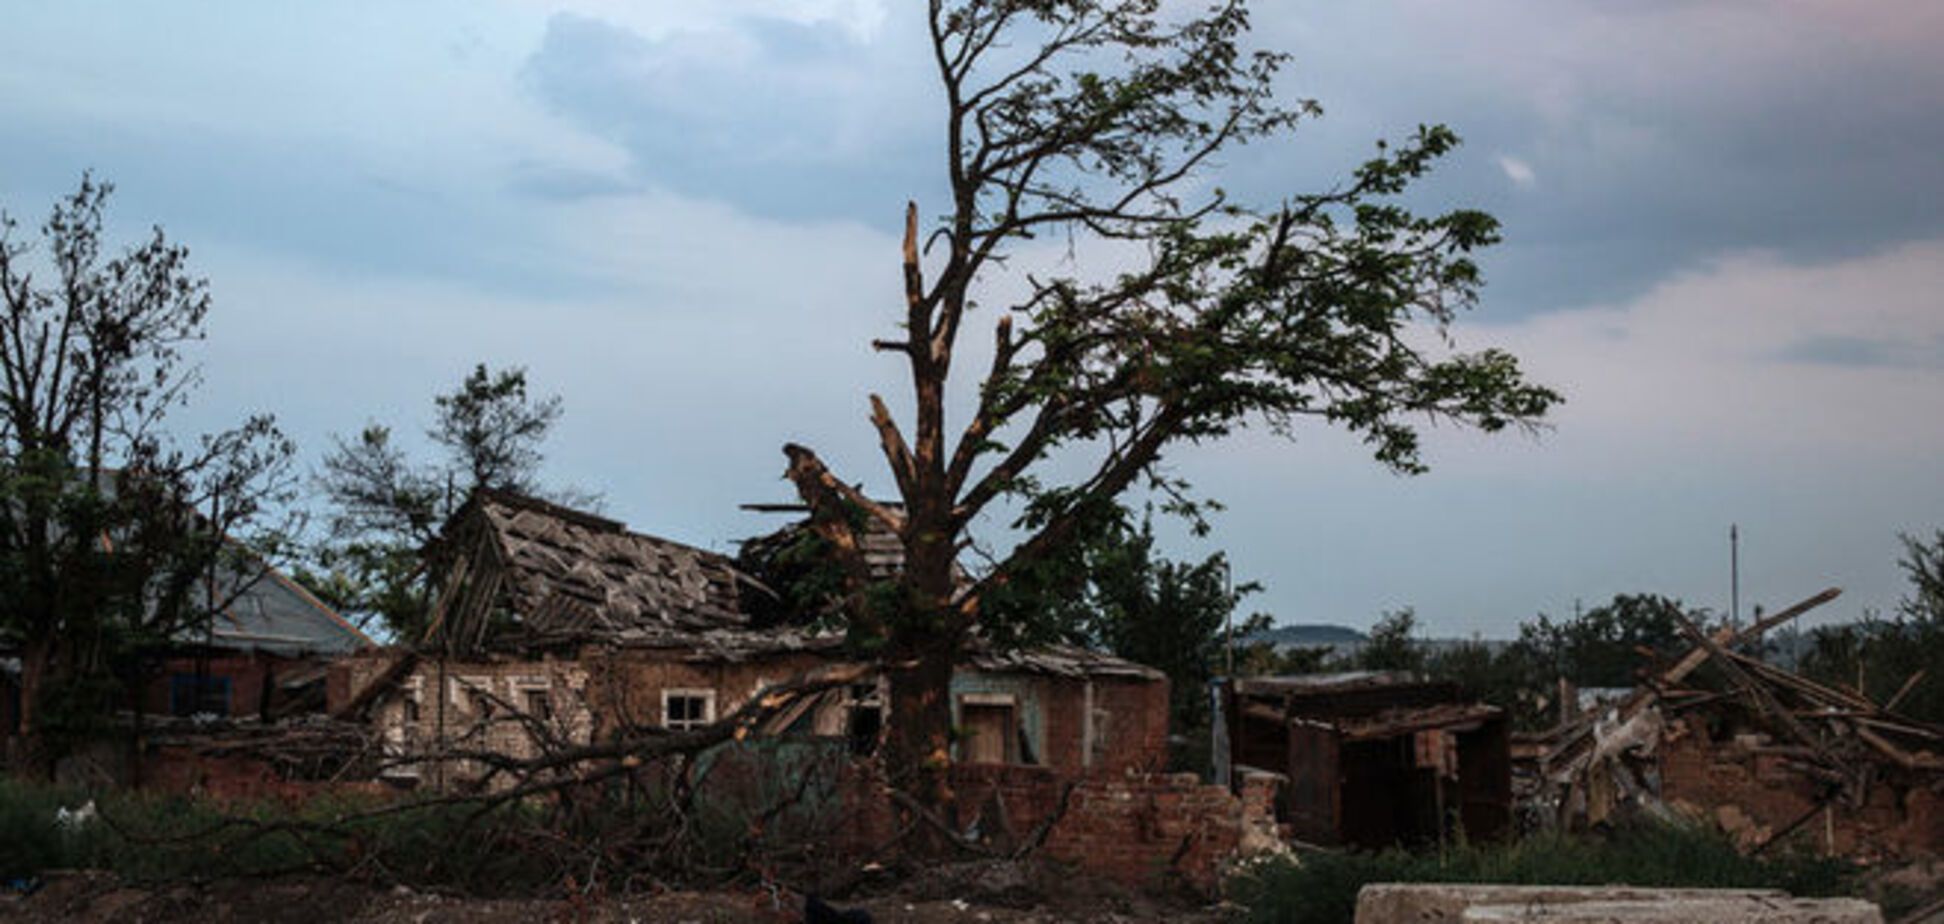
(263, 653)
(1372, 760)
(554, 622)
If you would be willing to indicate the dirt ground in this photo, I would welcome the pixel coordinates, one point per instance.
(999, 896)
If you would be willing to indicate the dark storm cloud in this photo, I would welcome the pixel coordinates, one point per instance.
(1657, 135)
(785, 120)
(1618, 146)
(1864, 353)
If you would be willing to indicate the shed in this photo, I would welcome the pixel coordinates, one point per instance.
(1374, 760)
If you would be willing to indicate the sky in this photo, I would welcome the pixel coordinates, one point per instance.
(1724, 243)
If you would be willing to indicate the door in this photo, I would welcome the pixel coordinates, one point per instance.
(988, 733)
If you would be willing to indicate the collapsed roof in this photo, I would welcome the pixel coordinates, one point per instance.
(522, 573)
(568, 576)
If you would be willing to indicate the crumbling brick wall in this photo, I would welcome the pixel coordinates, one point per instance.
(1745, 784)
(487, 706)
(627, 687)
(1143, 830)
(184, 769)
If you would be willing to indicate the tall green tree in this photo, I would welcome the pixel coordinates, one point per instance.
(1101, 120)
(1393, 644)
(1608, 645)
(1898, 659)
(1172, 616)
(385, 508)
(110, 528)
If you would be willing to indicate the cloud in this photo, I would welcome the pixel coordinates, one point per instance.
(1752, 359)
(1518, 171)
(715, 338)
(1667, 132)
(799, 120)
(1688, 408)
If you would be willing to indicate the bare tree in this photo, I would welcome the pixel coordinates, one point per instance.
(1098, 120)
(109, 531)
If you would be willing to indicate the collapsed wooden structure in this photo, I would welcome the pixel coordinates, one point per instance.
(1766, 753)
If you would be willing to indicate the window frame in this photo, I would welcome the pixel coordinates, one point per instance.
(705, 695)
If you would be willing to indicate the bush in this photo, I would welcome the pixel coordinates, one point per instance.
(145, 837)
(1323, 887)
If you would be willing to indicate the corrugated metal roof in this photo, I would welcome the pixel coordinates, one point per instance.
(265, 611)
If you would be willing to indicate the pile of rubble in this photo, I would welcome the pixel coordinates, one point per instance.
(1766, 752)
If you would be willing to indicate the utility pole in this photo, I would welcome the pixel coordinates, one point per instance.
(1734, 576)
(1228, 619)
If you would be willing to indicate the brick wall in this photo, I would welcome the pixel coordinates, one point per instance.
(485, 707)
(627, 687)
(246, 674)
(1136, 724)
(1129, 718)
(1754, 793)
(179, 769)
(1151, 831)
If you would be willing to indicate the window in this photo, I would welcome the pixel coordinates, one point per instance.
(482, 704)
(538, 706)
(685, 709)
(192, 695)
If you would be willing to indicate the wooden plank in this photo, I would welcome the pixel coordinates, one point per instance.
(1896, 754)
(1903, 691)
(1841, 699)
(1727, 636)
(1764, 699)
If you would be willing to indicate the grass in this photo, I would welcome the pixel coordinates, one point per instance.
(1322, 888)
(513, 848)
(160, 838)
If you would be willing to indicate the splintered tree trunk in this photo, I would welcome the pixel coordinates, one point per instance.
(918, 743)
(925, 646)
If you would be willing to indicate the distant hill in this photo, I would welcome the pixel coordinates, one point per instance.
(1345, 642)
(1311, 636)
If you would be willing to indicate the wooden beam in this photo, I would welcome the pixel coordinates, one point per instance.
(1759, 692)
(1728, 636)
(1903, 691)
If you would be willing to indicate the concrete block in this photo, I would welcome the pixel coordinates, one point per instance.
(1423, 903)
(1684, 911)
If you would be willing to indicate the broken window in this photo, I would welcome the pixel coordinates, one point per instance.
(193, 695)
(685, 709)
(538, 706)
(409, 718)
(863, 718)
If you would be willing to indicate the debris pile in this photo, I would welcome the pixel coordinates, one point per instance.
(1764, 754)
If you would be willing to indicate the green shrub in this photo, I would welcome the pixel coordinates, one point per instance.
(1322, 888)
